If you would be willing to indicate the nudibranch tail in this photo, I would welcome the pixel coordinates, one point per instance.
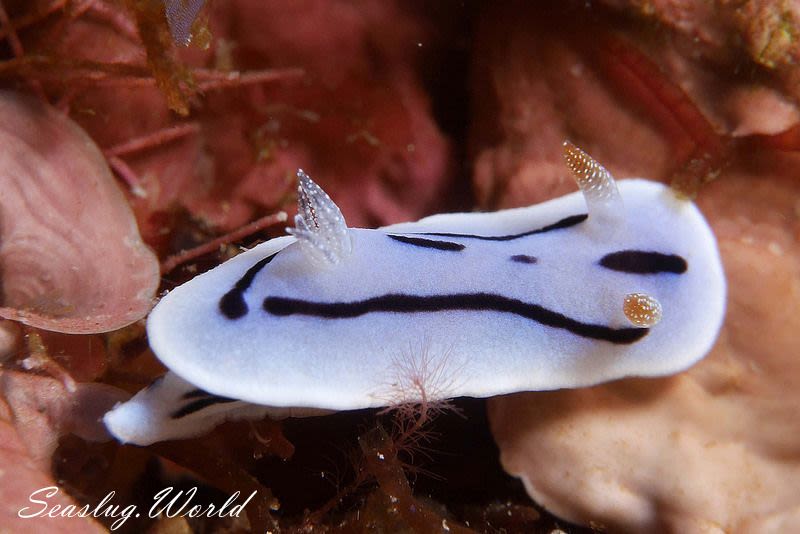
(595, 182)
(320, 228)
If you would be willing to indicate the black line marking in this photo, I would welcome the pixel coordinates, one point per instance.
(401, 303)
(644, 262)
(428, 243)
(195, 393)
(566, 222)
(199, 404)
(232, 304)
(524, 258)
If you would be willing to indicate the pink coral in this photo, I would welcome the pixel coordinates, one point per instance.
(72, 259)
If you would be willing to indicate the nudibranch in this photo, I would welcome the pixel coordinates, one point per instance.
(612, 281)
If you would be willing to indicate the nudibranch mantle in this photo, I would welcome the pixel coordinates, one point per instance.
(517, 300)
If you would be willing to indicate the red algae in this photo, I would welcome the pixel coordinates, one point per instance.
(679, 111)
(173, 79)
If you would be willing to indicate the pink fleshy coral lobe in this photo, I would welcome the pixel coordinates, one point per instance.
(71, 256)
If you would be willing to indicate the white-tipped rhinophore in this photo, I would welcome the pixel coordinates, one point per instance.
(536, 298)
(597, 185)
(320, 228)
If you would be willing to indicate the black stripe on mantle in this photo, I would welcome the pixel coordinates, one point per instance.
(201, 401)
(232, 304)
(428, 243)
(403, 303)
(644, 262)
(566, 222)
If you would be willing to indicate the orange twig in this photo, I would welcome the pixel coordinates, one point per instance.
(153, 139)
(119, 19)
(16, 47)
(186, 255)
(128, 175)
(642, 81)
(11, 33)
(31, 18)
(223, 80)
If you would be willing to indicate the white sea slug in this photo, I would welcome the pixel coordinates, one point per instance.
(615, 280)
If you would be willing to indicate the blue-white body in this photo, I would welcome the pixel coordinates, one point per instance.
(483, 303)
